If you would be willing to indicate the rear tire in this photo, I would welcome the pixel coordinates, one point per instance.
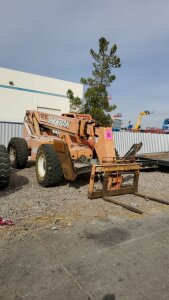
(4, 167)
(18, 153)
(48, 167)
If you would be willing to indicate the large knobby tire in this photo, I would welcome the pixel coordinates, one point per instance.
(48, 167)
(4, 167)
(18, 153)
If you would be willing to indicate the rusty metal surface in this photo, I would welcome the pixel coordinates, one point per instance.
(152, 198)
(126, 206)
(131, 208)
(117, 167)
(114, 171)
(122, 191)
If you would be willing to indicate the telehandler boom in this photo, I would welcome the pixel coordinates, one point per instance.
(72, 144)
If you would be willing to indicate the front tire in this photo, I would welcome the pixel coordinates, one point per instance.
(18, 153)
(48, 167)
(4, 167)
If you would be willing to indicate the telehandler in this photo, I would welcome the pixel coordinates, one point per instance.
(72, 144)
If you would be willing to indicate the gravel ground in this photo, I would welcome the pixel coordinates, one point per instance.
(32, 207)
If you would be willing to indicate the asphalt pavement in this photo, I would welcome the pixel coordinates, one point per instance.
(110, 259)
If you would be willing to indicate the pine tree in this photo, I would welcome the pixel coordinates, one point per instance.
(96, 100)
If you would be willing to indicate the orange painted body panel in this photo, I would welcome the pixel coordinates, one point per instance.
(104, 147)
(80, 132)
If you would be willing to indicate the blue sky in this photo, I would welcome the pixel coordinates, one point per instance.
(53, 38)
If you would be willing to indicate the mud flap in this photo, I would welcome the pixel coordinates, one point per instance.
(65, 159)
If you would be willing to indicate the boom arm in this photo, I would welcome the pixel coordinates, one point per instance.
(143, 113)
(80, 132)
(66, 123)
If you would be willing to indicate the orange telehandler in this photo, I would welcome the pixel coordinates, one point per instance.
(72, 144)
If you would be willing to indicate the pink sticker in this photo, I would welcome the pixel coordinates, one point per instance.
(108, 134)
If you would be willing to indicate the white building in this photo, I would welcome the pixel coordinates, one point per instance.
(20, 91)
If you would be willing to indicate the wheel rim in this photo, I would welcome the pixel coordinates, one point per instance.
(42, 165)
(12, 155)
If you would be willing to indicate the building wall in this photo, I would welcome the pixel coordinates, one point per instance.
(30, 91)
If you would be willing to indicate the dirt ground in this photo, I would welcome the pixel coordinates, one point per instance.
(32, 207)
